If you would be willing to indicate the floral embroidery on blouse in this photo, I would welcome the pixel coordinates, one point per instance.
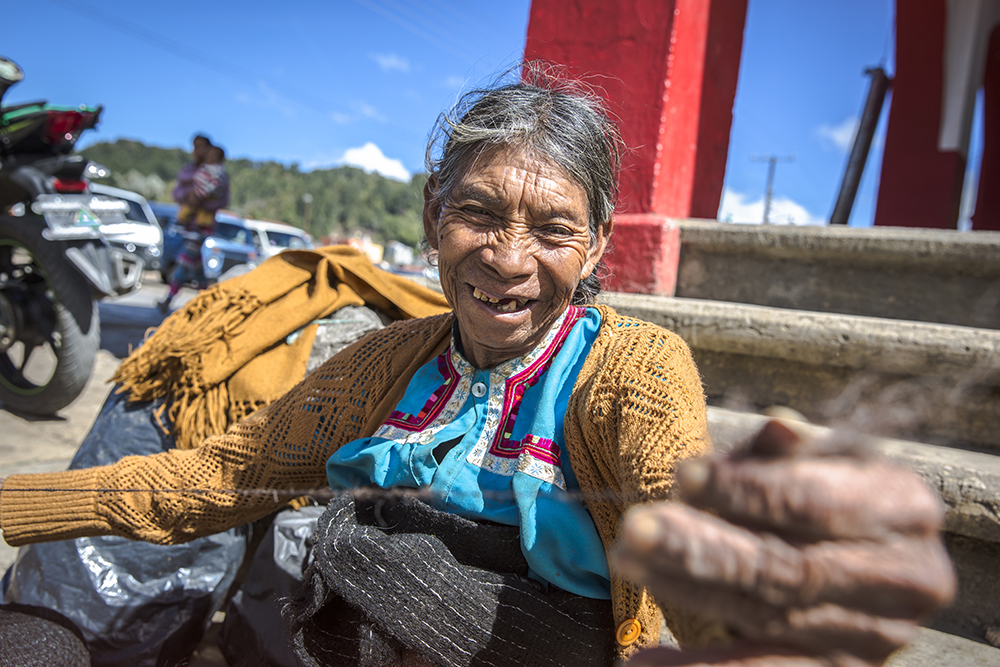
(494, 451)
(532, 455)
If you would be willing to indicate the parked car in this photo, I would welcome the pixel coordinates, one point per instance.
(231, 244)
(145, 241)
(273, 237)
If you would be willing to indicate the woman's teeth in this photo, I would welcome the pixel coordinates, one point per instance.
(503, 305)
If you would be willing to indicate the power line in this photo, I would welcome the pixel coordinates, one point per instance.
(398, 15)
(193, 55)
(201, 58)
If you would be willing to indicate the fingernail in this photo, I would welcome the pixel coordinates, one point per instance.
(779, 438)
(693, 476)
(643, 530)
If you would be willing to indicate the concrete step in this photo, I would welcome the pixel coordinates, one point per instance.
(926, 382)
(924, 275)
(968, 484)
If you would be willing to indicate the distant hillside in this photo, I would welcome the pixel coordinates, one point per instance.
(344, 199)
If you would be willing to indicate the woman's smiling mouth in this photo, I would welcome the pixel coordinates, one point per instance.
(508, 305)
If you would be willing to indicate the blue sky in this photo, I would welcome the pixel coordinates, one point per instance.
(323, 83)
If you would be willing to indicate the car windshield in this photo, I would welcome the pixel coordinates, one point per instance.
(283, 240)
(234, 233)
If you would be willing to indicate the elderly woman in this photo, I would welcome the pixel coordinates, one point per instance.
(526, 423)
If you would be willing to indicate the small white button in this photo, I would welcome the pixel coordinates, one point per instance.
(479, 390)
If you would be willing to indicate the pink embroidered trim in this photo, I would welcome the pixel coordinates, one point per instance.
(535, 446)
(502, 445)
(434, 405)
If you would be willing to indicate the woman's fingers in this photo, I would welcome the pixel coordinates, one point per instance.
(779, 439)
(674, 542)
(820, 548)
(829, 497)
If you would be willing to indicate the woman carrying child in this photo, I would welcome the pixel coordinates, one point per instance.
(202, 189)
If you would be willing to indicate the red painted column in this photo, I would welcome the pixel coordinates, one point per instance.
(668, 70)
(920, 185)
(987, 214)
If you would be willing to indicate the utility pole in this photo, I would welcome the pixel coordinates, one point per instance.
(307, 200)
(772, 161)
(877, 89)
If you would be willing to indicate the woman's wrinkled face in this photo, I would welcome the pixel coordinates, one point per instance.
(513, 243)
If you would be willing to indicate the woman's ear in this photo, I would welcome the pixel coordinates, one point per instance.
(432, 211)
(597, 248)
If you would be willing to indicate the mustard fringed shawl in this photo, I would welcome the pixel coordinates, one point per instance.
(223, 355)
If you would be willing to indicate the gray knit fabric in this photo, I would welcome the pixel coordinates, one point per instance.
(391, 573)
(37, 637)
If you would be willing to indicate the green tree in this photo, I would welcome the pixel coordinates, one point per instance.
(343, 198)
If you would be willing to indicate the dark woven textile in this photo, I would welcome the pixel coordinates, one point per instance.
(37, 637)
(391, 574)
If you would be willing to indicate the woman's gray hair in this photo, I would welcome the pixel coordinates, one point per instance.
(545, 113)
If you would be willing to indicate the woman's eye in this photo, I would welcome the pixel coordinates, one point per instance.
(556, 231)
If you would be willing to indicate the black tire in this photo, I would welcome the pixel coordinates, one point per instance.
(68, 307)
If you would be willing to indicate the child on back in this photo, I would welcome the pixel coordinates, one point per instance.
(209, 180)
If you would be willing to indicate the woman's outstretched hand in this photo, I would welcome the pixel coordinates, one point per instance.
(812, 553)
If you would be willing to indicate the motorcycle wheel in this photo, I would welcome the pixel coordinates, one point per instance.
(49, 323)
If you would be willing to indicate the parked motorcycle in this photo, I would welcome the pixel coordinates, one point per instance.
(55, 261)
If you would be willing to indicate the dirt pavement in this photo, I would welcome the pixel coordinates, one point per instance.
(30, 443)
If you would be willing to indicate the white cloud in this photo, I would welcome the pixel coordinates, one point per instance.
(370, 158)
(737, 207)
(454, 82)
(368, 111)
(359, 110)
(390, 62)
(841, 136)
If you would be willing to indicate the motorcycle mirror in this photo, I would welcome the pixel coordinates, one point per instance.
(10, 73)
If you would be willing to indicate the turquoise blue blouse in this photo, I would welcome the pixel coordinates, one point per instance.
(488, 444)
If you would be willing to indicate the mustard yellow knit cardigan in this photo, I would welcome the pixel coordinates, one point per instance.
(637, 409)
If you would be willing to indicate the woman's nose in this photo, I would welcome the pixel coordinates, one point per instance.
(511, 256)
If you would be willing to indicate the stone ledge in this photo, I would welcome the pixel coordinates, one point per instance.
(967, 482)
(827, 339)
(968, 253)
(920, 381)
(937, 649)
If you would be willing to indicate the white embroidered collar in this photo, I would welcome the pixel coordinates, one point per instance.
(513, 366)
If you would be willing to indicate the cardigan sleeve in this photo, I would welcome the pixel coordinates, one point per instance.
(257, 465)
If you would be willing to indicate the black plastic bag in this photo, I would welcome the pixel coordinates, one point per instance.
(254, 632)
(147, 605)
(136, 604)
